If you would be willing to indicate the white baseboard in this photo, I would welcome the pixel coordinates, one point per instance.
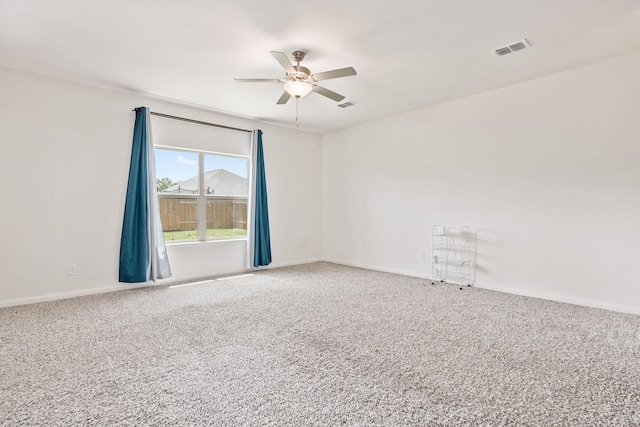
(72, 294)
(289, 264)
(115, 288)
(378, 268)
(527, 293)
(563, 298)
(508, 290)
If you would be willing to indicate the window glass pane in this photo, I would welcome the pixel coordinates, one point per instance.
(178, 217)
(226, 187)
(176, 171)
(176, 180)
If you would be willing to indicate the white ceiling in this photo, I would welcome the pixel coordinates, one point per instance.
(408, 54)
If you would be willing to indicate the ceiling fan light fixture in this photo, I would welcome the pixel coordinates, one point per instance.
(298, 89)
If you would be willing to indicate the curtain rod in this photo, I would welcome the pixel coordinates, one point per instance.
(153, 113)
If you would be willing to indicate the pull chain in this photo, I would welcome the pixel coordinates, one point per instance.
(297, 97)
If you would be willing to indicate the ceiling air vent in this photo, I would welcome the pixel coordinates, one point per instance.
(502, 51)
(346, 104)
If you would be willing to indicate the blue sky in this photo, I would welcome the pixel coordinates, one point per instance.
(182, 165)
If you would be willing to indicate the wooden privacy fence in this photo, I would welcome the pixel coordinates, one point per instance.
(179, 213)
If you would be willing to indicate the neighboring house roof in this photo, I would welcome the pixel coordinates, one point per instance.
(220, 182)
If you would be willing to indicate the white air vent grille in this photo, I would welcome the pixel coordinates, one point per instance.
(503, 51)
(346, 104)
(514, 47)
(517, 46)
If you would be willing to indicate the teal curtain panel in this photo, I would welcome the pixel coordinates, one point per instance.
(143, 255)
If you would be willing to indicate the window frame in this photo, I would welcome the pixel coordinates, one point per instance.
(201, 198)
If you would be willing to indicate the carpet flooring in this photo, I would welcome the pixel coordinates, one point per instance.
(317, 344)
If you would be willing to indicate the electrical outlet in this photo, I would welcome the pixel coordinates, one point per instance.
(72, 270)
(421, 256)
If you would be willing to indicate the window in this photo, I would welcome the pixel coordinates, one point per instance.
(202, 195)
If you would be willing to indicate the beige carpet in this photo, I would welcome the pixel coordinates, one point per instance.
(317, 344)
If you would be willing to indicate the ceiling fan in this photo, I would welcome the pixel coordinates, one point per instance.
(298, 80)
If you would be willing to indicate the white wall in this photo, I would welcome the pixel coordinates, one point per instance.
(547, 173)
(63, 174)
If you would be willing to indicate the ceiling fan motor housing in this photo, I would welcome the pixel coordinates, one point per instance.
(301, 74)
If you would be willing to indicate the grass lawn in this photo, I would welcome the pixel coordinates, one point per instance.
(212, 233)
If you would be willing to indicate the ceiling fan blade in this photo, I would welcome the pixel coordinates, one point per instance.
(328, 93)
(333, 74)
(284, 98)
(258, 80)
(284, 61)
